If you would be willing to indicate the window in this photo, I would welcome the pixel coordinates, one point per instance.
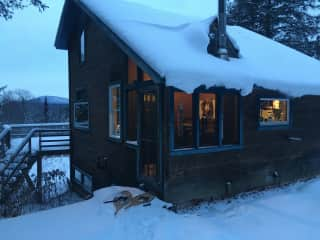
(87, 183)
(146, 77)
(81, 109)
(82, 47)
(206, 120)
(132, 115)
(132, 72)
(81, 115)
(77, 176)
(114, 111)
(83, 179)
(183, 120)
(274, 112)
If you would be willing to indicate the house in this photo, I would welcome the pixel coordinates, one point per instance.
(185, 107)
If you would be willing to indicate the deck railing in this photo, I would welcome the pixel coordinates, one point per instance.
(5, 140)
(51, 141)
(21, 130)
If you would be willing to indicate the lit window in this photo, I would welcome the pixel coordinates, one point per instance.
(81, 115)
(274, 112)
(208, 120)
(132, 116)
(183, 120)
(114, 111)
(132, 72)
(217, 117)
(82, 47)
(146, 77)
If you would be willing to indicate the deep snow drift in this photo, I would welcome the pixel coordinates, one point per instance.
(288, 213)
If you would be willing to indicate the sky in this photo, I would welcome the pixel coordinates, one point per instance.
(29, 59)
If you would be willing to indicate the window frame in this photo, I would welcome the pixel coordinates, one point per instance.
(136, 85)
(197, 149)
(76, 125)
(110, 111)
(274, 125)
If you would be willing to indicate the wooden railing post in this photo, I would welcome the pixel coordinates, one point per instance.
(2, 148)
(40, 143)
(8, 142)
(30, 146)
(39, 178)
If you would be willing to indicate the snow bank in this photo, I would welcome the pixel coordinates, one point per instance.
(174, 43)
(288, 213)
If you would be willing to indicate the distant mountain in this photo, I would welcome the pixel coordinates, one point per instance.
(51, 100)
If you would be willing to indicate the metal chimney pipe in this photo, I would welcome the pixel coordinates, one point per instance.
(222, 31)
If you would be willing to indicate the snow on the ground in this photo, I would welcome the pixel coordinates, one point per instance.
(56, 169)
(50, 163)
(288, 213)
(175, 44)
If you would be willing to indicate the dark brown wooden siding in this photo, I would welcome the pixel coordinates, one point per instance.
(265, 152)
(108, 162)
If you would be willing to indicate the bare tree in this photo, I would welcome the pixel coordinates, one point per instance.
(8, 7)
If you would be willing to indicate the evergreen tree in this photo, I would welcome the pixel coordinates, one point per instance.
(286, 21)
(46, 110)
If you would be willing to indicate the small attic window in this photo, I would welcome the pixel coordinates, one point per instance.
(82, 47)
(274, 112)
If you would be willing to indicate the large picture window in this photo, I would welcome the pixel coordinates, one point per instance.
(81, 115)
(114, 111)
(274, 112)
(183, 120)
(206, 120)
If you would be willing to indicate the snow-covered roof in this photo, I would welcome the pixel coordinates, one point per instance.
(175, 45)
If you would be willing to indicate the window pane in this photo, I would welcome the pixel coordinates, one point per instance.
(231, 119)
(183, 121)
(115, 111)
(132, 71)
(132, 116)
(82, 47)
(81, 115)
(274, 112)
(146, 77)
(208, 119)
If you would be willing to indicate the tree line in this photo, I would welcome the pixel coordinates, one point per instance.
(18, 106)
(295, 23)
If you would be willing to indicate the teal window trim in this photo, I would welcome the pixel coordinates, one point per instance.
(277, 125)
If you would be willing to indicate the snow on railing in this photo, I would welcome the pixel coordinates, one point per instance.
(21, 130)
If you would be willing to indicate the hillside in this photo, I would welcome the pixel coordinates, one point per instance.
(50, 99)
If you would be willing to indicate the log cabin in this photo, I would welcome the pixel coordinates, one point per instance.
(183, 106)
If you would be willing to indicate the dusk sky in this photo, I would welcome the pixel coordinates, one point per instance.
(29, 59)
